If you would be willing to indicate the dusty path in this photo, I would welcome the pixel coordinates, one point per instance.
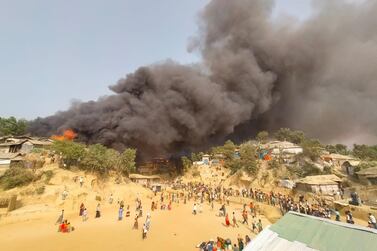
(170, 230)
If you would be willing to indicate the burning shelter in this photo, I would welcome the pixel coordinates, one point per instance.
(326, 184)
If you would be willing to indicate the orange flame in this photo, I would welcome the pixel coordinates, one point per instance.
(68, 134)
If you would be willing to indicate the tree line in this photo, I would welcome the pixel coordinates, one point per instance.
(95, 158)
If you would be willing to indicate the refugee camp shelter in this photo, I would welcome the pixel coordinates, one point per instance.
(368, 176)
(303, 232)
(337, 159)
(23, 145)
(325, 184)
(206, 159)
(284, 147)
(145, 180)
(349, 166)
(10, 159)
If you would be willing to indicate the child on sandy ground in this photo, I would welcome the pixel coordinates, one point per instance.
(85, 215)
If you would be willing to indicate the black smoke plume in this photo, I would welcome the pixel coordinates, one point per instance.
(257, 72)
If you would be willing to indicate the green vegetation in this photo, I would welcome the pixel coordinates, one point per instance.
(17, 176)
(127, 162)
(286, 134)
(196, 156)
(48, 175)
(246, 161)
(70, 151)
(96, 158)
(227, 150)
(12, 126)
(338, 148)
(40, 190)
(305, 170)
(365, 152)
(186, 163)
(262, 136)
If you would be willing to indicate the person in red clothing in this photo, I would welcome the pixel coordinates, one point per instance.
(227, 222)
(63, 227)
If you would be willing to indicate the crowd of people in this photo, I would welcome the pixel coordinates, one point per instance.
(224, 244)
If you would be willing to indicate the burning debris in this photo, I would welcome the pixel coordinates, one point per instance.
(318, 75)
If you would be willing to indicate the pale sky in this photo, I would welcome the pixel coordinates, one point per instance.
(56, 51)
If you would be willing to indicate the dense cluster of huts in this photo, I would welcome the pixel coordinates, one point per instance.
(14, 148)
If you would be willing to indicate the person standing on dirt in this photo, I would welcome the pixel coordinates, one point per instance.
(98, 211)
(60, 218)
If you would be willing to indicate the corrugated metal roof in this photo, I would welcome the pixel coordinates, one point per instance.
(322, 234)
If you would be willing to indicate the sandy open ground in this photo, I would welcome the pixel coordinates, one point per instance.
(177, 229)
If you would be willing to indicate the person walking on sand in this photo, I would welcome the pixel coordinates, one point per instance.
(60, 218)
(81, 180)
(245, 217)
(120, 213)
(136, 223)
(259, 225)
(98, 211)
(194, 210)
(81, 209)
(85, 215)
(234, 220)
(148, 221)
(227, 222)
(145, 231)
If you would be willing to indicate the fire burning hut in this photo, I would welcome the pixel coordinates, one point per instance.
(156, 165)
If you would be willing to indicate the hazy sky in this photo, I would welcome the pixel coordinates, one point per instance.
(56, 51)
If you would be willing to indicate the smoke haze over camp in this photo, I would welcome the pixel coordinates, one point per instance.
(256, 73)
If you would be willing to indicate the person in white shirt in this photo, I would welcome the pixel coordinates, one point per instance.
(194, 210)
(372, 220)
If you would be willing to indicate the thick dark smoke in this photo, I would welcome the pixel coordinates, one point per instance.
(257, 73)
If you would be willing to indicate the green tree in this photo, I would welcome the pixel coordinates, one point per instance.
(97, 159)
(71, 152)
(186, 163)
(127, 161)
(262, 136)
(286, 134)
(365, 152)
(197, 156)
(248, 158)
(312, 148)
(12, 126)
(338, 148)
(227, 150)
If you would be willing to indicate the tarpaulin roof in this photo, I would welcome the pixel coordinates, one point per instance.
(302, 232)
